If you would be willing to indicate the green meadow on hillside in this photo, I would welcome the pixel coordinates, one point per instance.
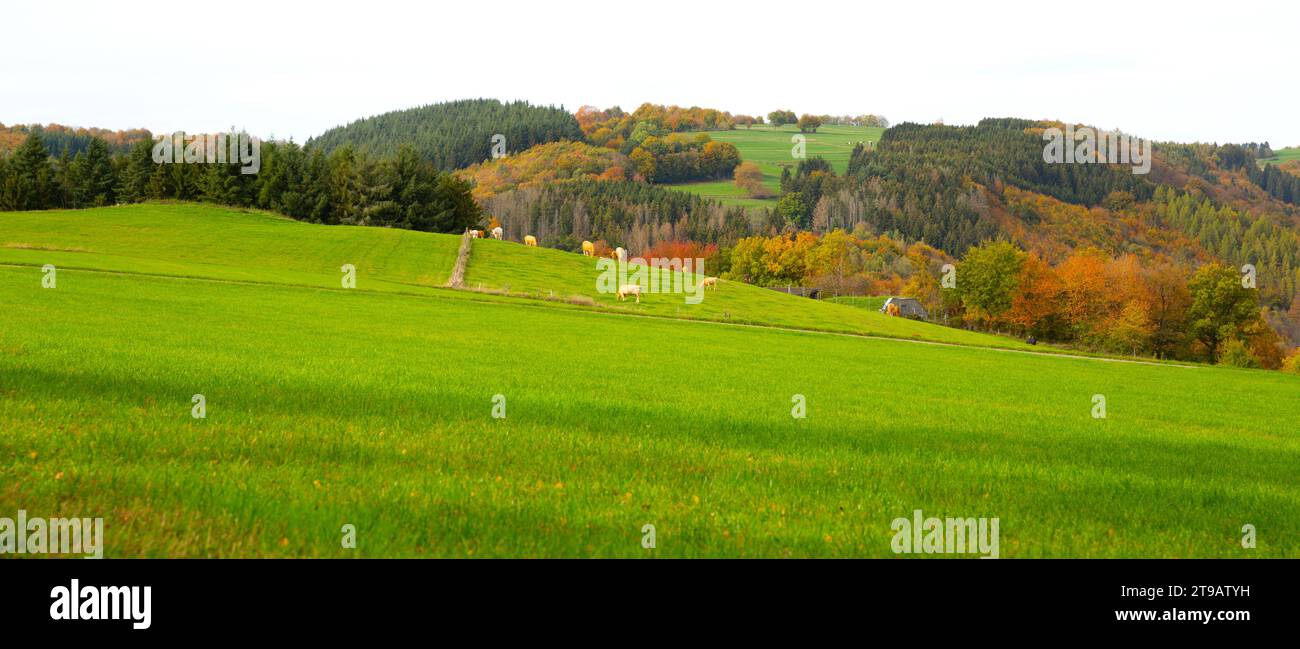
(224, 243)
(770, 148)
(870, 303)
(190, 240)
(1282, 155)
(543, 272)
(374, 407)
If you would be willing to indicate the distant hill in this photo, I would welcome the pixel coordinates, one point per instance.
(456, 134)
(75, 139)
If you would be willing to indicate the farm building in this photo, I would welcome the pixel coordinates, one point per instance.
(908, 307)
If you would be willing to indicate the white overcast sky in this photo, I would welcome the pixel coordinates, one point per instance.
(1185, 71)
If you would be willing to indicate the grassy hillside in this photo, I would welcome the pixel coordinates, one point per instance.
(213, 242)
(328, 407)
(190, 240)
(1282, 155)
(541, 271)
(770, 148)
(871, 303)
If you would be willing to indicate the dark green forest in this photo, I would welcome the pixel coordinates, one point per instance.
(455, 134)
(344, 187)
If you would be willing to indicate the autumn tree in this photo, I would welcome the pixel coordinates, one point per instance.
(1036, 302)
(987, 279)
(643, 164)
(1235, 353)
(749, 177)
(1220, 309)
(719, 159)
(781, 117)
(1128, 330)
(926, 289)
(1084, 300)
(834, 261)
(1292, 363)
(809, 123)
(1264, 343)
(1164, 291)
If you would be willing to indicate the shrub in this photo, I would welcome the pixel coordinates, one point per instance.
(1234, 353)
(1292, 363)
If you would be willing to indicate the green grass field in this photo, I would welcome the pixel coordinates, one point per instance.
(1282, 155)
(373, 407)
(222, 243)
(870, 303)
(770, 148)
(198, 241)
(540, 271)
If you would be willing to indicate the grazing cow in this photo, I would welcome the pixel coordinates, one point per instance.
(530, 240)
(497, 232)
(630, 289)
(588, 249)
(476, 234)
(709, 281)
(893, 310)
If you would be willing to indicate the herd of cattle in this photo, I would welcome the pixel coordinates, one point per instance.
(497, 233)
(589, 250)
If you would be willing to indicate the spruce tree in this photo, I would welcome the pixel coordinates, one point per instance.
(95, 183)
(133, 182)
(32, 176)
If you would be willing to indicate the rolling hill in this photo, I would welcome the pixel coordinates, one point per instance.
(202, 241)
(456, 134)
(544, 272)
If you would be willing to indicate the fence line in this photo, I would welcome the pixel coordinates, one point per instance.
(457, 279)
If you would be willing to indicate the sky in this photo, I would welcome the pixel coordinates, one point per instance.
(1180, 71)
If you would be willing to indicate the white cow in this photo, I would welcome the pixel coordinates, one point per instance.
(497, 232)
(629, 289)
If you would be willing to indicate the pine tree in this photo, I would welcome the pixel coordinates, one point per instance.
(66, 181)
(133, 185)
(31, 177)
(95, 184)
